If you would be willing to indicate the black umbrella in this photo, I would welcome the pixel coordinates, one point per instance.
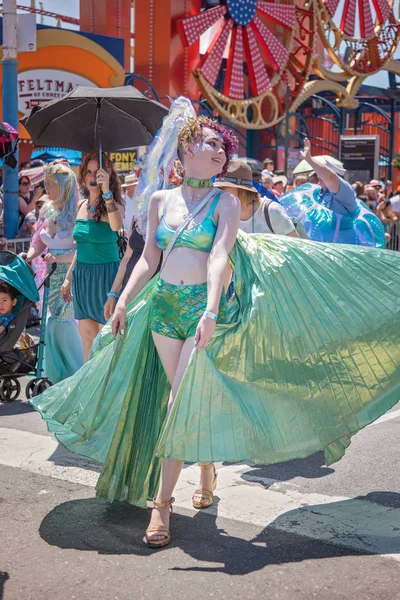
(90, 118)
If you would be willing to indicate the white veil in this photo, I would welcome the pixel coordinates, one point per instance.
(160, 158)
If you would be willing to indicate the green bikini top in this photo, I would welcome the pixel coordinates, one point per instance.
(200, 237)
(96, 242)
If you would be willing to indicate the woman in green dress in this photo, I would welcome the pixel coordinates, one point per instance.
(297, 362)
(96, 263)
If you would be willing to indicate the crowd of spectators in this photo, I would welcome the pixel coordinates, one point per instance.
(379, 196)
(384, 202)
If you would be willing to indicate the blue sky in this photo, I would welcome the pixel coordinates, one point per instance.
(69, 8)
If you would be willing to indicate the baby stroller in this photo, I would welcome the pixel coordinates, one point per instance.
(16, 362)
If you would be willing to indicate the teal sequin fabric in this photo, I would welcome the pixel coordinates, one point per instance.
(177, 309)
(59, 310)
(196, 237)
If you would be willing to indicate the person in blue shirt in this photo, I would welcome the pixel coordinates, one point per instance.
(8, 300)
(336, 193)
(330, 211)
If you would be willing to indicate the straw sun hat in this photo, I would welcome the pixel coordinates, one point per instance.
(239, 175)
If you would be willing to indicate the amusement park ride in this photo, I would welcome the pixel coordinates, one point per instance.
(262, 59)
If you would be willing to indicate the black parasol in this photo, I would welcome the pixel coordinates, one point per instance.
(91, 118)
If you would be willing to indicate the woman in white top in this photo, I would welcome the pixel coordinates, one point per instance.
(63, 354)
(257, 215)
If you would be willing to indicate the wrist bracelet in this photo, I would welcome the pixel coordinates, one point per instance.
(114, 294)
(108, 196)
(210, 315)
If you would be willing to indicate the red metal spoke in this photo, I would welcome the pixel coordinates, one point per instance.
(276, 52)
(283, 14)
(192, 28)
(347, 23)
(211, 63)
(259, 80)
(234, 79)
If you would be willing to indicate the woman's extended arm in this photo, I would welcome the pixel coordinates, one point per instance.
(145, 267)
(67, 257)
(33, 251)
(66, 286)
(329, 177)
(228, 225)
(115, 215)
(116, 286)
(24, 207)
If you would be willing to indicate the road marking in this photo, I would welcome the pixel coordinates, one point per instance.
(354, 523)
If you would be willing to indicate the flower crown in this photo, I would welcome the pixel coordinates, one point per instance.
(54, 169)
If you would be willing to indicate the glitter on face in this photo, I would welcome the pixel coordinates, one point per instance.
(200, 146)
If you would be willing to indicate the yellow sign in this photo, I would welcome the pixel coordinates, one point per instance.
(123, 161)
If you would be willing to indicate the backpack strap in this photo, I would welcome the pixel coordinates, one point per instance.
(266, 214)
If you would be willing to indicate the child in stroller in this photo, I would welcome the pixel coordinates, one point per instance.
(8, 300)
(18, 293)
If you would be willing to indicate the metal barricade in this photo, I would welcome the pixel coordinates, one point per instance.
(18, 245)
(393, 230)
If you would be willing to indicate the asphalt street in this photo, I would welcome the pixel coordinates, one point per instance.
(299, 530)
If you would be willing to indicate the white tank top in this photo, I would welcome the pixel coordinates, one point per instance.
(280, 221)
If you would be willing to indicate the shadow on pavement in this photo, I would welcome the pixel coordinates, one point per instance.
(3, 578)
(18, 407)
(312, 467)
(118, 528)
(64, 458)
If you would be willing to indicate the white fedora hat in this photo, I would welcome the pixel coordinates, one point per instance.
(280, 178)
(129, 180)
(325, 159)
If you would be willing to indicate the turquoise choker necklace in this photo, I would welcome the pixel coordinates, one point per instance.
(197, 183)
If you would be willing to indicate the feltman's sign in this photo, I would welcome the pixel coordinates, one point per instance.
(42, 85)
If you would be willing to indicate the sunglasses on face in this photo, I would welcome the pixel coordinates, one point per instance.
(25, 183)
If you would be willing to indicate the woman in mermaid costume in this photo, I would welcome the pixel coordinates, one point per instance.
(63, 354)
(298, 360)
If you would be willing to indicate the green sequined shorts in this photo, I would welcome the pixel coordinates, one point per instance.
(177, 309)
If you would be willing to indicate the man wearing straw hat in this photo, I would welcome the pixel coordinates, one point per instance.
(129, 185)
(257, 215)
(336, 193)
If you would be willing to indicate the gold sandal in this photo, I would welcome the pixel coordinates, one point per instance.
(159, 529)
(208, 494)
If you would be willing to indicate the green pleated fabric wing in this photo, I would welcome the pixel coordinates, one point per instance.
(112, 410)
(312, 356)
(308, 356)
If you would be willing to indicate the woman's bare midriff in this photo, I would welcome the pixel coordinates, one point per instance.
(188, 267)
(185, 267)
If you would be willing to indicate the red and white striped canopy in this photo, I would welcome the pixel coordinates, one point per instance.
(244, 28)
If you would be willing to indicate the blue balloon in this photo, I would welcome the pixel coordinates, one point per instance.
(360, 227)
